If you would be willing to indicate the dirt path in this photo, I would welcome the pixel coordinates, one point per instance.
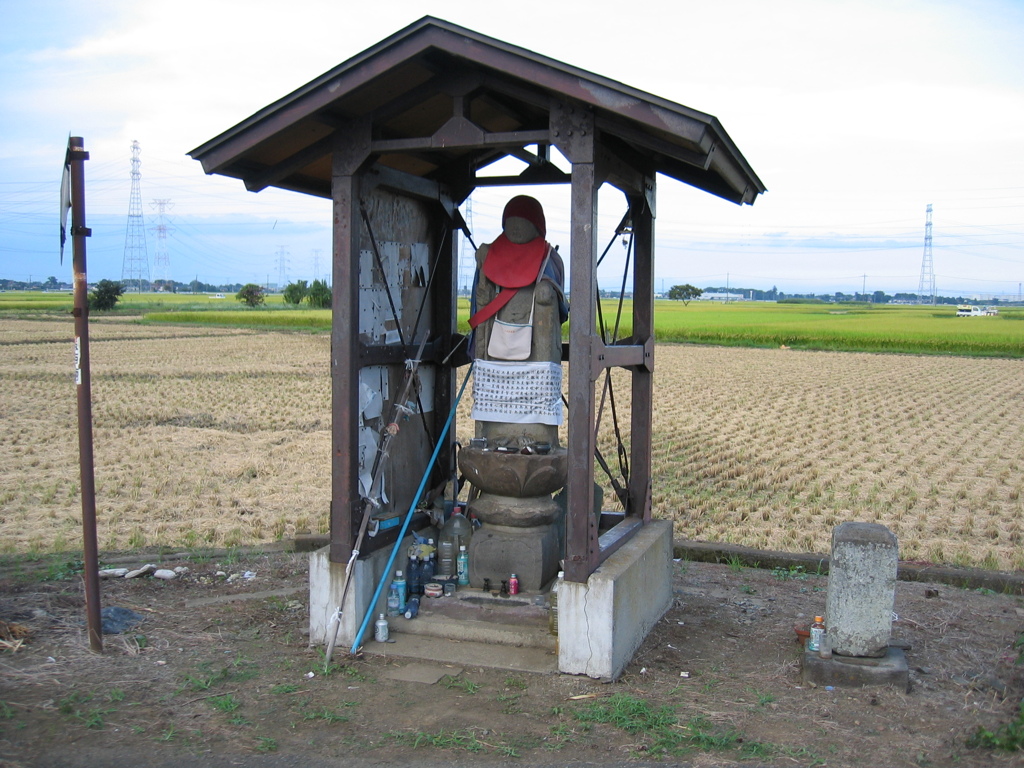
(231, 681)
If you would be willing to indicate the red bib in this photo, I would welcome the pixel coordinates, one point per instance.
(514, 265)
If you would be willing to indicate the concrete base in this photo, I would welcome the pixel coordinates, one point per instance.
(855, 671)
(602, 623)
(496, 551)
(326, 580)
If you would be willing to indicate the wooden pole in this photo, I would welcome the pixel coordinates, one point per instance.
(76, 158)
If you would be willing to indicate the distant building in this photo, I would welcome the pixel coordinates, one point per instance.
(722, 297)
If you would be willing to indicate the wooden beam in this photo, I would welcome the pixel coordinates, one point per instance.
(445, 141)
(292, 164)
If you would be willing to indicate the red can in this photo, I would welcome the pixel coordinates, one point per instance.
(513, 585)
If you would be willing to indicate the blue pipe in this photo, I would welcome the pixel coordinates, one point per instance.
(408, 515)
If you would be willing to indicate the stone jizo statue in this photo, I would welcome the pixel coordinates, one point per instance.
(517, 401)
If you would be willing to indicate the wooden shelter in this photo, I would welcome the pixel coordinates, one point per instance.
(397, 137)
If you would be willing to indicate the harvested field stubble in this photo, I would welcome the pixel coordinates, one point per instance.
(222, 437)
(772, 448)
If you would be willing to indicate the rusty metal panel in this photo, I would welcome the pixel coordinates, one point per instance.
(395, 312)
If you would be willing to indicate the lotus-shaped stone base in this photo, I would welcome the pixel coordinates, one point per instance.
(514, 474)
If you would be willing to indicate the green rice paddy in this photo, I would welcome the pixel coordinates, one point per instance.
(837, 327)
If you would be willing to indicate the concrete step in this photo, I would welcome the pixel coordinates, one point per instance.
(473, 616)
(470, 630)
(461, 653)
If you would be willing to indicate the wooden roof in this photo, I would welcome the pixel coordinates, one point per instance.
(442, 102)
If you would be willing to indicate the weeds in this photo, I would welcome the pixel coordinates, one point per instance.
(516, 683)
(631, 714)
(666, 735)
(763, 697)
(237, 670)
(790, 572)
(64, 571)
(325, 715)
(92, 718)
(459, 683)
(225, 703)
(464, 740)
(1008, 737)
(510, 703)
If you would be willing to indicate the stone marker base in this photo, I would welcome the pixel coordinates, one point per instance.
(852, 671)
(496, 551)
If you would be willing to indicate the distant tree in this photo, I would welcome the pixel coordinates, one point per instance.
(251, 294)
(51, 284)
(105, 295)
(319, 295)
(294, 293)
(684, 293)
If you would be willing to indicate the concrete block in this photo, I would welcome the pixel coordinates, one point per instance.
(861, 589)
(602, 622)
(890, 669)
(326, 581)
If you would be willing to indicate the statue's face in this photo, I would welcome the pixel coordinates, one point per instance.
(520, 230)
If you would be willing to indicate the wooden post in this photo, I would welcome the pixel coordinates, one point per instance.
(573, 129)
(351, 149)
(75, 160)
(642, 376)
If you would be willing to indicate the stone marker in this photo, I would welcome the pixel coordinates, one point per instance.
(861, 589)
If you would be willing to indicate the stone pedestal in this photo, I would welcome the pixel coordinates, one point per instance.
(496, 551)
(522, 524)
(861, 589)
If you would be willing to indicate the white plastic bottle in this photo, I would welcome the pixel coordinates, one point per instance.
(553, 605)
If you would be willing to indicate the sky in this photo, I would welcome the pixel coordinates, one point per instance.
(855, 114)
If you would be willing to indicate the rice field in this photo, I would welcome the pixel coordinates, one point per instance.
(220, 437)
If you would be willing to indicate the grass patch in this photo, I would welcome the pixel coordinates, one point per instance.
(459, 683)
(1008, 737)
(326, 715)
(93, 717)
(659, 725)
(225, 703)
(791, 572)
(464, 740)
(238, 670)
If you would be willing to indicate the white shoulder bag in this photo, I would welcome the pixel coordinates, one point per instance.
(514, 341)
